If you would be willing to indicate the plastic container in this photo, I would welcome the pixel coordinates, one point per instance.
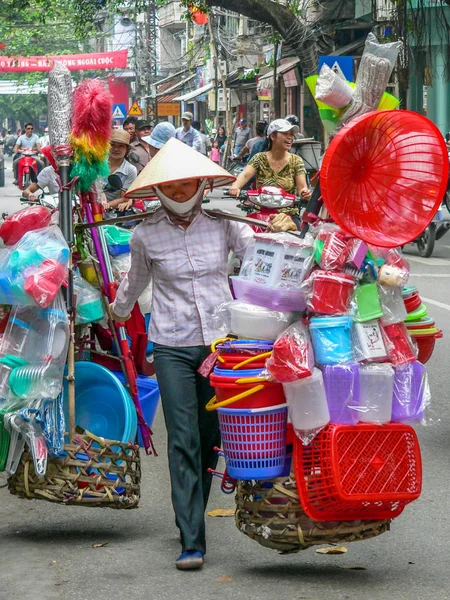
(251, 322)
(116, 249)
(376, 389)
(331, 338)
(399, 345)
(149, 396)
(278, 298)
(35, 382)
(358, 472)
(307, 402)
(367, 301)
(7, 364)
(331, 292)
(368, 342)
(233, 362)
(412, 302)
(394, 310)
(342, 391)
(17, 333)
(417, 314)
(408, 398)
(255, 394)
(335, 251)
(254, 442)
(425, 344)
(103, 405)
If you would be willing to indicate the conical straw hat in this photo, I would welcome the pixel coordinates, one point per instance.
(174, 162)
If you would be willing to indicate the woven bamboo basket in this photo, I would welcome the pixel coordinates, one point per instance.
(273, 516)
(94, 472)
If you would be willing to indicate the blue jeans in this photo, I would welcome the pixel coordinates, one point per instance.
(192, 434)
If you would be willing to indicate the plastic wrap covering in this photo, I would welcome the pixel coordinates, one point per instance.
(335, 250)
(368, 342)
(366, 302)
(59, 104)
(249, 321)
(400, 346)
(120, 265)
(33, 354)
(376, 393)
(392, 304)
(395, 271)
(332, 341)
(328, 293)
(33, 270)
(89, 308)
(292, 355)
(22, 221)
(331, 89)
(411, 393)
(343, 392)
(308, 407)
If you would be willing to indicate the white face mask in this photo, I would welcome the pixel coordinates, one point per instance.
(182, 209)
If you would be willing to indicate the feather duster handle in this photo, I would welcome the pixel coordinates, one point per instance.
(59, 104)
(91, 130)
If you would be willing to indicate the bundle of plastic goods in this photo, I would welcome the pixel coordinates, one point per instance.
(342, 354)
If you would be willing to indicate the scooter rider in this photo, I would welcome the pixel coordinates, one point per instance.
(28, 141)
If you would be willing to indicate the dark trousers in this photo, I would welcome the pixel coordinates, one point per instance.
(192, 434)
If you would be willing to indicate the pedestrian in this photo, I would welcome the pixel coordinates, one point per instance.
(184, 252)
(118, 165)
(214, 155)
(261, 127)
(206, 142)
(187, 133)
(139, 153)
(221, 137)
(241, 136)
(130, 125)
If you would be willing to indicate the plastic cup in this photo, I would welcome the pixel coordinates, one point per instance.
(368, 305)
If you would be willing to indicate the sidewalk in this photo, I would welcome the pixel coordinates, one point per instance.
(10, 194)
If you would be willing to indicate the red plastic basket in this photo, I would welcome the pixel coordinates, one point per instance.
(392, 169)
(358, 472)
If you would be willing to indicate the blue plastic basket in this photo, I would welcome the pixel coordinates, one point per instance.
(331, 338)
(116, 249)
(254, 441)
(148, 395)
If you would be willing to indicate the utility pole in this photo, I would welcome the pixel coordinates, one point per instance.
(150, 62)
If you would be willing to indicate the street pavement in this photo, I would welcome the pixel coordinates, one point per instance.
(47, 553)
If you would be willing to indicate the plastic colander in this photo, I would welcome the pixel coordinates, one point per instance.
(384, 175)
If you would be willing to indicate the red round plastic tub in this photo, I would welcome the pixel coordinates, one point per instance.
(413, 302)
(425, 344)
(270, 394)
(331, 292)
(358, 472)
(392, 168)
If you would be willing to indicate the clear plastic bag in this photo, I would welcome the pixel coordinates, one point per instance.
(292, 355)
(335, 251)
(368, 342)
(395, 270)
(33, 354)
(331, 89)
(328, 293)
(411, 393)
(277, 260)
(376, 393)
(33, 270)
(28, 219)
(89, 308)
(343, 392)
(331, 338)
(388, 51)
(249, 321)
(121, 264)
(401, 348)
(392, 303)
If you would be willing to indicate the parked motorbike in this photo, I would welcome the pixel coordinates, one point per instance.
(48, 200)
(27, 170)
(435, 231)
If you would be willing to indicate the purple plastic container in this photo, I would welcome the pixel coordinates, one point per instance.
(342, 390)
(268, 297)
(407, 400)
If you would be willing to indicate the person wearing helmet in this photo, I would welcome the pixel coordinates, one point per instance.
(184, 252)
(276, 167)
(294, 120)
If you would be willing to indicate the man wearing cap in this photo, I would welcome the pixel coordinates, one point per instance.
(241, 136)
(118, 165)
(187, 133)
(139, 154)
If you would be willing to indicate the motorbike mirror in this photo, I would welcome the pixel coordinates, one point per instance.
(114, 182)
(133, 157)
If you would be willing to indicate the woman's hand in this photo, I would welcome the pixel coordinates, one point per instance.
(234, 192)
(115, 317)
(305, 193)
(105, 202)
(281, 222)
(125, 205)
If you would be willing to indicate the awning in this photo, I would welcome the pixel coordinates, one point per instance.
(194, 94)
(266, 81)
(168, 91)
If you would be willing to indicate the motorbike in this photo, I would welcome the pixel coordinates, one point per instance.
(48, 200)
(435, 231)
(27, 169)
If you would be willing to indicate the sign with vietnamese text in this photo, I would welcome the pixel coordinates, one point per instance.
(169, 109)
(74, 62)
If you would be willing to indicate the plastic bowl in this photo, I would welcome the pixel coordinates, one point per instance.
(103, 406)
(255, 322)
(392, 168)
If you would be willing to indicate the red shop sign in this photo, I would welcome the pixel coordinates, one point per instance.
(74, 62)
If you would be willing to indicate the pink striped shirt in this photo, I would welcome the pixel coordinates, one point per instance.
(189, 272)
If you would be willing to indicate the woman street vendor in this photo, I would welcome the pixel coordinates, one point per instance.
(185, 252)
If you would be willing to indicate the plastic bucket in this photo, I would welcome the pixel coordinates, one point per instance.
(233, 362)
(331, 340)
(413, 302)
(258, 395)
(368, 305)
(254, 441)
(331, 293)
(425, 344)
